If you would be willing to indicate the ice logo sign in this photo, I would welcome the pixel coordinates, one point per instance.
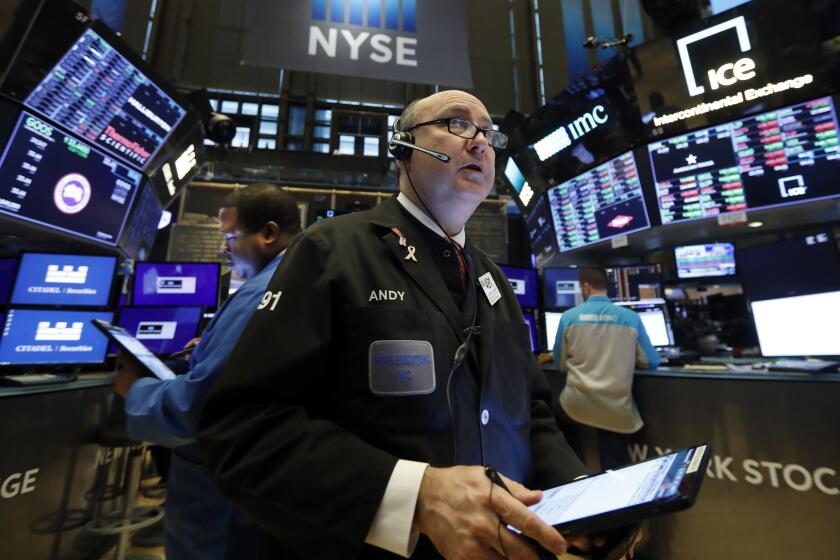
(61, 331)
(66, 274)
(726, 75)
(72, 193)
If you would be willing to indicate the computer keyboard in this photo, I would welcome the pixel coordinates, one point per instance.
(30, 379)
(811, 366)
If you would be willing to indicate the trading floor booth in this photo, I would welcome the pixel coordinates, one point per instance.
(772, 486)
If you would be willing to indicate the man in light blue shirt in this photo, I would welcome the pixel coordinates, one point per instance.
(598, 346)
(258, 223)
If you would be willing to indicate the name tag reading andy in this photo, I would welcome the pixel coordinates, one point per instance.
(490, 289)
(401, 367)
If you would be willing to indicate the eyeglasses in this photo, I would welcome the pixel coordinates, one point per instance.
(468, 129)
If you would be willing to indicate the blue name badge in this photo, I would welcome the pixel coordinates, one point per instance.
(401, 367)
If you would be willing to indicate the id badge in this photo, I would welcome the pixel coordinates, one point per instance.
(401, 367)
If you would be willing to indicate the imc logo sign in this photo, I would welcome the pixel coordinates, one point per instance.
(383, 31)
(714, 57)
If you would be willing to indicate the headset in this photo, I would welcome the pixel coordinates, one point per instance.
(402, 143)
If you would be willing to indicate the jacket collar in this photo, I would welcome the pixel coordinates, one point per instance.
(389, 214)
(459, 238)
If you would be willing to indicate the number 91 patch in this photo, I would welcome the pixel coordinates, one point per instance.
(270, 299)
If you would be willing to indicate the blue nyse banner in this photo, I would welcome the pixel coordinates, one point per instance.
(423, 41)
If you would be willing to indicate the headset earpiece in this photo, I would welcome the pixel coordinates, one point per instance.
(400, 153)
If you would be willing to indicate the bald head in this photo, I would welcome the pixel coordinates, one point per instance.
(449, 191)
(426, 108)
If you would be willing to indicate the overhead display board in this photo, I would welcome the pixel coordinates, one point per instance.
(52, 179)
(761, 55)
(591, 121)
(95, 92)
(541, 231)
(604, 202)
(781, 157)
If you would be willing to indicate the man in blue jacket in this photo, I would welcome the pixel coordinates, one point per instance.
(598, 346)
(258, 223)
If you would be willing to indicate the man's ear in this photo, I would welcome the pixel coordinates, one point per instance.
(271, 232)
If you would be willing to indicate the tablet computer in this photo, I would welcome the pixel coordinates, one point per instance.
(142, 355)
(627, 495)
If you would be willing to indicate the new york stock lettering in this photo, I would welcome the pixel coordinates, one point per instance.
(757, 472)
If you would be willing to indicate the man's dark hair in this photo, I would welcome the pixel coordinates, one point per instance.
(595, 277)
(260, 203)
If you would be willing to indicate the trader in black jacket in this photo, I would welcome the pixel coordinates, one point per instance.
(387, 362)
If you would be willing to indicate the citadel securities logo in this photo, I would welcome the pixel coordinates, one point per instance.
(72, 193)
(401, 17)
(66, 274)
(61, 331)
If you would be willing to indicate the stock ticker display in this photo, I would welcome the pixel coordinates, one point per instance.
(781, 157)
(52, 179)
(602, 203)
(95, 92)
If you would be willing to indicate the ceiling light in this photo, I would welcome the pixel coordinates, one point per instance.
(755, 224)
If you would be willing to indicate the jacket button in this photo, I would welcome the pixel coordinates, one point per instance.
(485, 416)
(447, 253)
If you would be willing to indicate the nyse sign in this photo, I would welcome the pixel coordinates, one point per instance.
(421, 41)
(378, 49)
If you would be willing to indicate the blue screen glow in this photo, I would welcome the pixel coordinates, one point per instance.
(523, 281)
(561, 288)
(162, 330)
(7, 275)
(52, 337)
(177, 284)
(51, 279)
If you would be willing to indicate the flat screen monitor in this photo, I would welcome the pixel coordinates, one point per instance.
(655, 321)
(69, 280)
(561, 288)
(7, 276)
(54, 180)
(799, 325)
(142, 227)
(532, 328)
(552, 323)
(702, 261)
(162, 330)
(523, 281)
(95, 92)
(737, 63)
(589, 122)
(522, 190)
(602, 203)
(634, 283)
(541, 231)
(777, 158)
(176, 284)
(803, 265)
(51, 337)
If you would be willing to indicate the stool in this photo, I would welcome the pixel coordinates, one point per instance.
(130, 518)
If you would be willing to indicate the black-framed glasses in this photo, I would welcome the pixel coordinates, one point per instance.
(469, 130)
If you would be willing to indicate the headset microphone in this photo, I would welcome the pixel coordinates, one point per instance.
(439, 155)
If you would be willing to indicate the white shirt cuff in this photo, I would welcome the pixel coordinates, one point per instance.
(391, 526)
